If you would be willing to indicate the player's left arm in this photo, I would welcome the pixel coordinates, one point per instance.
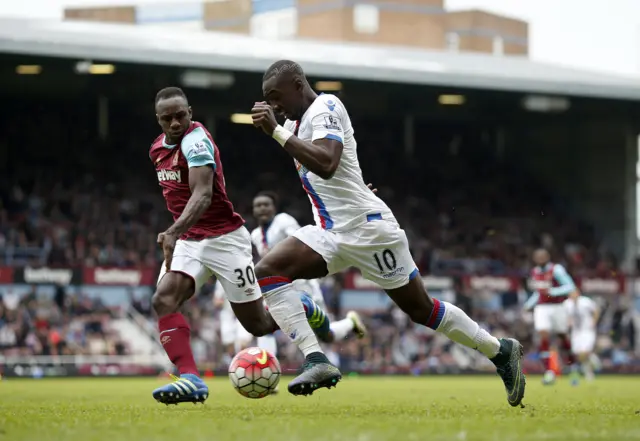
(567, 286)
(201, 160)
(595, 311)
(321, 155)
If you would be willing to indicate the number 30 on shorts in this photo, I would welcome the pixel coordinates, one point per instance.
(388, 258)
(244, 276)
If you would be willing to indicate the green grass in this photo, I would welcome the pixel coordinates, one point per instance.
(360, 409)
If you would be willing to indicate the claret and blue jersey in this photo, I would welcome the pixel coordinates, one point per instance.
(551, 283)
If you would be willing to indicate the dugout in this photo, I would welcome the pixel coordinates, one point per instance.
(576, 130)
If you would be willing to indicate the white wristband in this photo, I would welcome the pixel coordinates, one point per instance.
(281, 135)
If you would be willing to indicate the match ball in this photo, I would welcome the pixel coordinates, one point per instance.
(254, 373)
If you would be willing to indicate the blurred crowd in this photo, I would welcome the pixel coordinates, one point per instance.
(60, 325)
(84, 199)
(464, 210)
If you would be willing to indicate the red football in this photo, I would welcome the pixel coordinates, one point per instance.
(254, 372)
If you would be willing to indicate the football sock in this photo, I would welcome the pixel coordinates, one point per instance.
(543, 350)
(341, 328)
(452, 321)
(287, 310)
(565, 345)
(175, 336)
(269, 344)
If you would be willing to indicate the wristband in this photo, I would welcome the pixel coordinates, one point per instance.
(281, 135)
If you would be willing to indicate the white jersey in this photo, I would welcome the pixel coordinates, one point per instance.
(266, 237)
(344, 201)
(580, 313)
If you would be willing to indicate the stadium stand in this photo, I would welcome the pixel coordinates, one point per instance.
(74, 199)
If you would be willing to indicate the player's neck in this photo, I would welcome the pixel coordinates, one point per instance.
(308, 98)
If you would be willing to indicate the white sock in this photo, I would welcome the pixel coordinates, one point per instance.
(341, 328)
(286, 309)
(269, 344)
(458, 326)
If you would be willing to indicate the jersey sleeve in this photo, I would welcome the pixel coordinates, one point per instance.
(564, 280)
(198, 149)
(289, 224)
(327, 120)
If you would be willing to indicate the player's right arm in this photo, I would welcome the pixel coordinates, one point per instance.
(322, 154)
(200, 157)
(595, 312)
(567, 285)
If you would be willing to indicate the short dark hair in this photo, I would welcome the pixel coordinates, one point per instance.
(282, 67)
(269, 194)
(170, 92)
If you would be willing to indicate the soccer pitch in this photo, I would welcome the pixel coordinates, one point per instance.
(360, 409)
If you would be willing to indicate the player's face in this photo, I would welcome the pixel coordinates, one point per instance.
(541, 258)
(174, 116)
(263, 209)
(285, 96)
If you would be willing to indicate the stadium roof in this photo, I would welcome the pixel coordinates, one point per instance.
(203, 49)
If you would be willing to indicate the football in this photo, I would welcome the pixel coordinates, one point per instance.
(254, 373)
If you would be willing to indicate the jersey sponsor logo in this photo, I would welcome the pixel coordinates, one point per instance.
(331, 123)
(540, 284)
(169, 175)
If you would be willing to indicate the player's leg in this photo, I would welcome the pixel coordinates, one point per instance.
(338, 329)
(228, 325)
(230, 258)
(381, 250)
(560, 326)
(243, 338)
(174, 288)
(542, 325)
(269, 344)
(304, 256)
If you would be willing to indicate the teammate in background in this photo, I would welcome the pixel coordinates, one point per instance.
(207, 238)
(353, 228)
(272, 229)
(583, 314)
(552, 285)
(233, 336)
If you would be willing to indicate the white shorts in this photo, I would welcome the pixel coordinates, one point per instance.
(229, 257)
(232, 331)
(583, 341)
(550, 317)
(379, 249)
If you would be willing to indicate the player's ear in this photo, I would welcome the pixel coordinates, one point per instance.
(190, 112)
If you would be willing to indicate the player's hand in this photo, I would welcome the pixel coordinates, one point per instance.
(168, 243)
(375, 190)
(574, 295)
(264, 118)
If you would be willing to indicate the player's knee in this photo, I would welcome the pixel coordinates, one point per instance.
(421, 316)
(257, 328)
(164, 302)
(170, 294)
(264, 268)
